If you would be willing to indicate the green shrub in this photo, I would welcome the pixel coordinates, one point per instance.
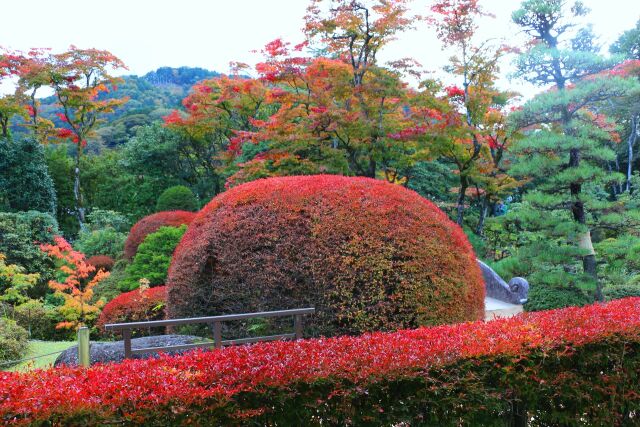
(20, 234)
(543, 297)
(177, 198)
(13, 340)
(621, 291)
(153, 258)
(101, 218)
(106, 241)
(40, 321)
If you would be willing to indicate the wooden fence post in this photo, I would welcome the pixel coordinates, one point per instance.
(217, 334)
(126, 339)
(83, 347)
(297, 326)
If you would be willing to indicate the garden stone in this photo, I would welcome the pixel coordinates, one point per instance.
(515, 292)
(103, 352)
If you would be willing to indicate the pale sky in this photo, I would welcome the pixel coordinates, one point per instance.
(147, 34)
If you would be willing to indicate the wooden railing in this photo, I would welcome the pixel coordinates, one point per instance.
(215, 323)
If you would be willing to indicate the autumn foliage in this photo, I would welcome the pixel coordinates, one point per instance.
(101, 262)
(140, 305)
(479, 373)
(150, 224)
(75, 284)
(367, 254)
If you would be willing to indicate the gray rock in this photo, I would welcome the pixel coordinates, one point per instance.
(514, 292)
(102, 352)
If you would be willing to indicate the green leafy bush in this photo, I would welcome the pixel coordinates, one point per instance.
(153, 258)
(151, 224)
(13, 340)
(106, 241)
(20, 234)
(40, 320)
(177, 198)
(543, 297)
(103, 218)
(622, 291)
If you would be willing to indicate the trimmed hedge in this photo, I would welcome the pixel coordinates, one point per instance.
(150, 224)
(574, 366)
(545, 297)
(621, 291)
(153, 258)
(135, 306)
(177, 197)
(368, 255)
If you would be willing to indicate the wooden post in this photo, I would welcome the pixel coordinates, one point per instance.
(126, 337)
(83, 347)
(297, 326)
(217, 334)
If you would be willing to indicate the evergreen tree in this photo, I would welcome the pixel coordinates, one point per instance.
(566, 153)
(628, 44)
(25, 183)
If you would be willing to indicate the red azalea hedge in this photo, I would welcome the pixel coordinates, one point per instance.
(135, 306)
(367, 254)
(151, 224)
(574, 366)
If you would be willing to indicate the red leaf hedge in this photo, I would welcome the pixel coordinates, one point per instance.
(135, 306)
(101, 262)
(575, 366)
(368, 255)
(151, 224)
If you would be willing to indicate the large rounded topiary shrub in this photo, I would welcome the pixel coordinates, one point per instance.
(367, 254)
(177, 197)
(151, 224)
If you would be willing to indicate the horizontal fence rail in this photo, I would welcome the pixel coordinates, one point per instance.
(215, 323)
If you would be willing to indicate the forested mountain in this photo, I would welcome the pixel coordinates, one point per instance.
(151, 97)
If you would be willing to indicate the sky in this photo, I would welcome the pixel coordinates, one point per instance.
(147, 34)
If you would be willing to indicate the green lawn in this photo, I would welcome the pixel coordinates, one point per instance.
(41, 347)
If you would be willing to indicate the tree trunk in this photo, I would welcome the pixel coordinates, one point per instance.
(371, 170)
(464, 184)
(630, 142)
(5, 127)
(484, 208)
(77, 192)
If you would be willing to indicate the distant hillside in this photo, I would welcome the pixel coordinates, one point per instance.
(150, 97)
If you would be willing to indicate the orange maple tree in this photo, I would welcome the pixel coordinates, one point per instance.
(75, 284)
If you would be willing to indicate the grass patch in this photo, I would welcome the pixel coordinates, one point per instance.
(41, 347)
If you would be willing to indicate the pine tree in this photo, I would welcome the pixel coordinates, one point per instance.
(566, 151)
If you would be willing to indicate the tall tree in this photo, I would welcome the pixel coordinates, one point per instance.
(478, 138)
(25, 183)
(566, 147)
(78, 78)
(337, 112)
(628, 44)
